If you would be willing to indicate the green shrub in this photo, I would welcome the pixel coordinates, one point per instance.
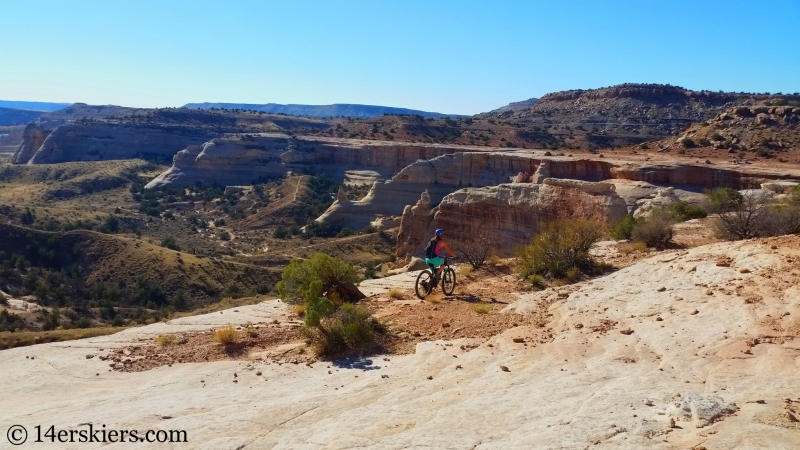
(312, 278)
(170, 243)
(688, 143)
(655, 231)
(280, 232)
(682, 211)
(320, 283)
(622, 229)
(721, 200)
(369, 270)
(793, 195)
(560, 246)
(344, 232)
(350, 327)
(51, 321)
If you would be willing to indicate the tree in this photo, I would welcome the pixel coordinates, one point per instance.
(476, 250)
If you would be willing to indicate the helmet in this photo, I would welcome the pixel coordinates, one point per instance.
(439, 232)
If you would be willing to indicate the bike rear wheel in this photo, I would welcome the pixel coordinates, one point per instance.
(424, 284)
(449, 281)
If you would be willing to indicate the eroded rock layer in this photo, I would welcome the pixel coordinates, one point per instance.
(244, 158)
(105, 141)
(446, 174)
(508, 215)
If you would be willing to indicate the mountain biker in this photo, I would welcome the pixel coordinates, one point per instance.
(432, 258)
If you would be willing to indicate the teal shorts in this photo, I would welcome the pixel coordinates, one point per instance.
(433, 263)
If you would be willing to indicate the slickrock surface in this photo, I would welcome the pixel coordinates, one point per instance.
(688, 349)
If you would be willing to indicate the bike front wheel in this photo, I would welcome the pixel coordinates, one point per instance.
(449, 281)
(424, 284)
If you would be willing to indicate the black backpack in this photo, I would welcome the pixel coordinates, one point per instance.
(430, 249)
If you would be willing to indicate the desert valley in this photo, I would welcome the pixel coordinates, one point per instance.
(627, 274)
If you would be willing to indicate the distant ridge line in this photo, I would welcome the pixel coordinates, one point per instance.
(336, 110)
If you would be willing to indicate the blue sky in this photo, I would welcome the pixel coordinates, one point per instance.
(459, 57)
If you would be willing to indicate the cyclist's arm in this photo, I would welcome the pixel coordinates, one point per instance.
(447, 247)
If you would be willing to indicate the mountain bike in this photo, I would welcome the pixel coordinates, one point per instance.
(427, 280)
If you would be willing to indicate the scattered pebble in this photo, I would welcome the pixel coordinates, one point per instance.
(504, 369)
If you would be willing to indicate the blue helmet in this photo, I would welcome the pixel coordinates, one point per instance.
(439, 232)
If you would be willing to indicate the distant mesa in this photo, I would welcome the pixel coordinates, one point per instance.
(335, 110)
(11, 116)
(33, 106)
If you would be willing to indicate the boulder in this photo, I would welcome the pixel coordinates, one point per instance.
(703, 410)
(663, 197)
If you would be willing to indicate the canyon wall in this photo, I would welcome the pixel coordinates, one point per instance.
(446, 174)
(506, 216)
(106, 141)
(244, 158)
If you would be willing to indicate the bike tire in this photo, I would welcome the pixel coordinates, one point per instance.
(424, 284)
(449, 281)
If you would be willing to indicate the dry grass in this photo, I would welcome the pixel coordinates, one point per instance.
(25, 338)
(632, 247)
(226, 335)
(482, 308)
(396, 294)
(496, 260)
(166, 339)
(251, 331)
(435, 297)
(299, 310)
(464, 271)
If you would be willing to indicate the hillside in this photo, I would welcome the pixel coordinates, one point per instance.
(80, 271)
(335, 110)
(627, 113)
(766, 133)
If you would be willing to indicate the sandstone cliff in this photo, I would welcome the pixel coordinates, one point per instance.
(507, 215)
(96, 141)
(32, 138)
(241, 159)
(446, 174)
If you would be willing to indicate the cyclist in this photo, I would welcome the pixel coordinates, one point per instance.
(432, 251)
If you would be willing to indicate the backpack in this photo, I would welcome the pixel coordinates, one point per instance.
(430, 249)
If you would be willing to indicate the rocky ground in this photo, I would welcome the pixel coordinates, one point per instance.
(685, 349)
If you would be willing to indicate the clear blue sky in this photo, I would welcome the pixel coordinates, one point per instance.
(447, 56)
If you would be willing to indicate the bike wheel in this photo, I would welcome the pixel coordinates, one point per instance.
(424, 284)
(449, 281)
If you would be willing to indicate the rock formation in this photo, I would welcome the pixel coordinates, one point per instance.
(32, 139)
(446, 174)
(771, 128)
(243, 158)
(507, 215)
(103, 141)
(628, 113)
